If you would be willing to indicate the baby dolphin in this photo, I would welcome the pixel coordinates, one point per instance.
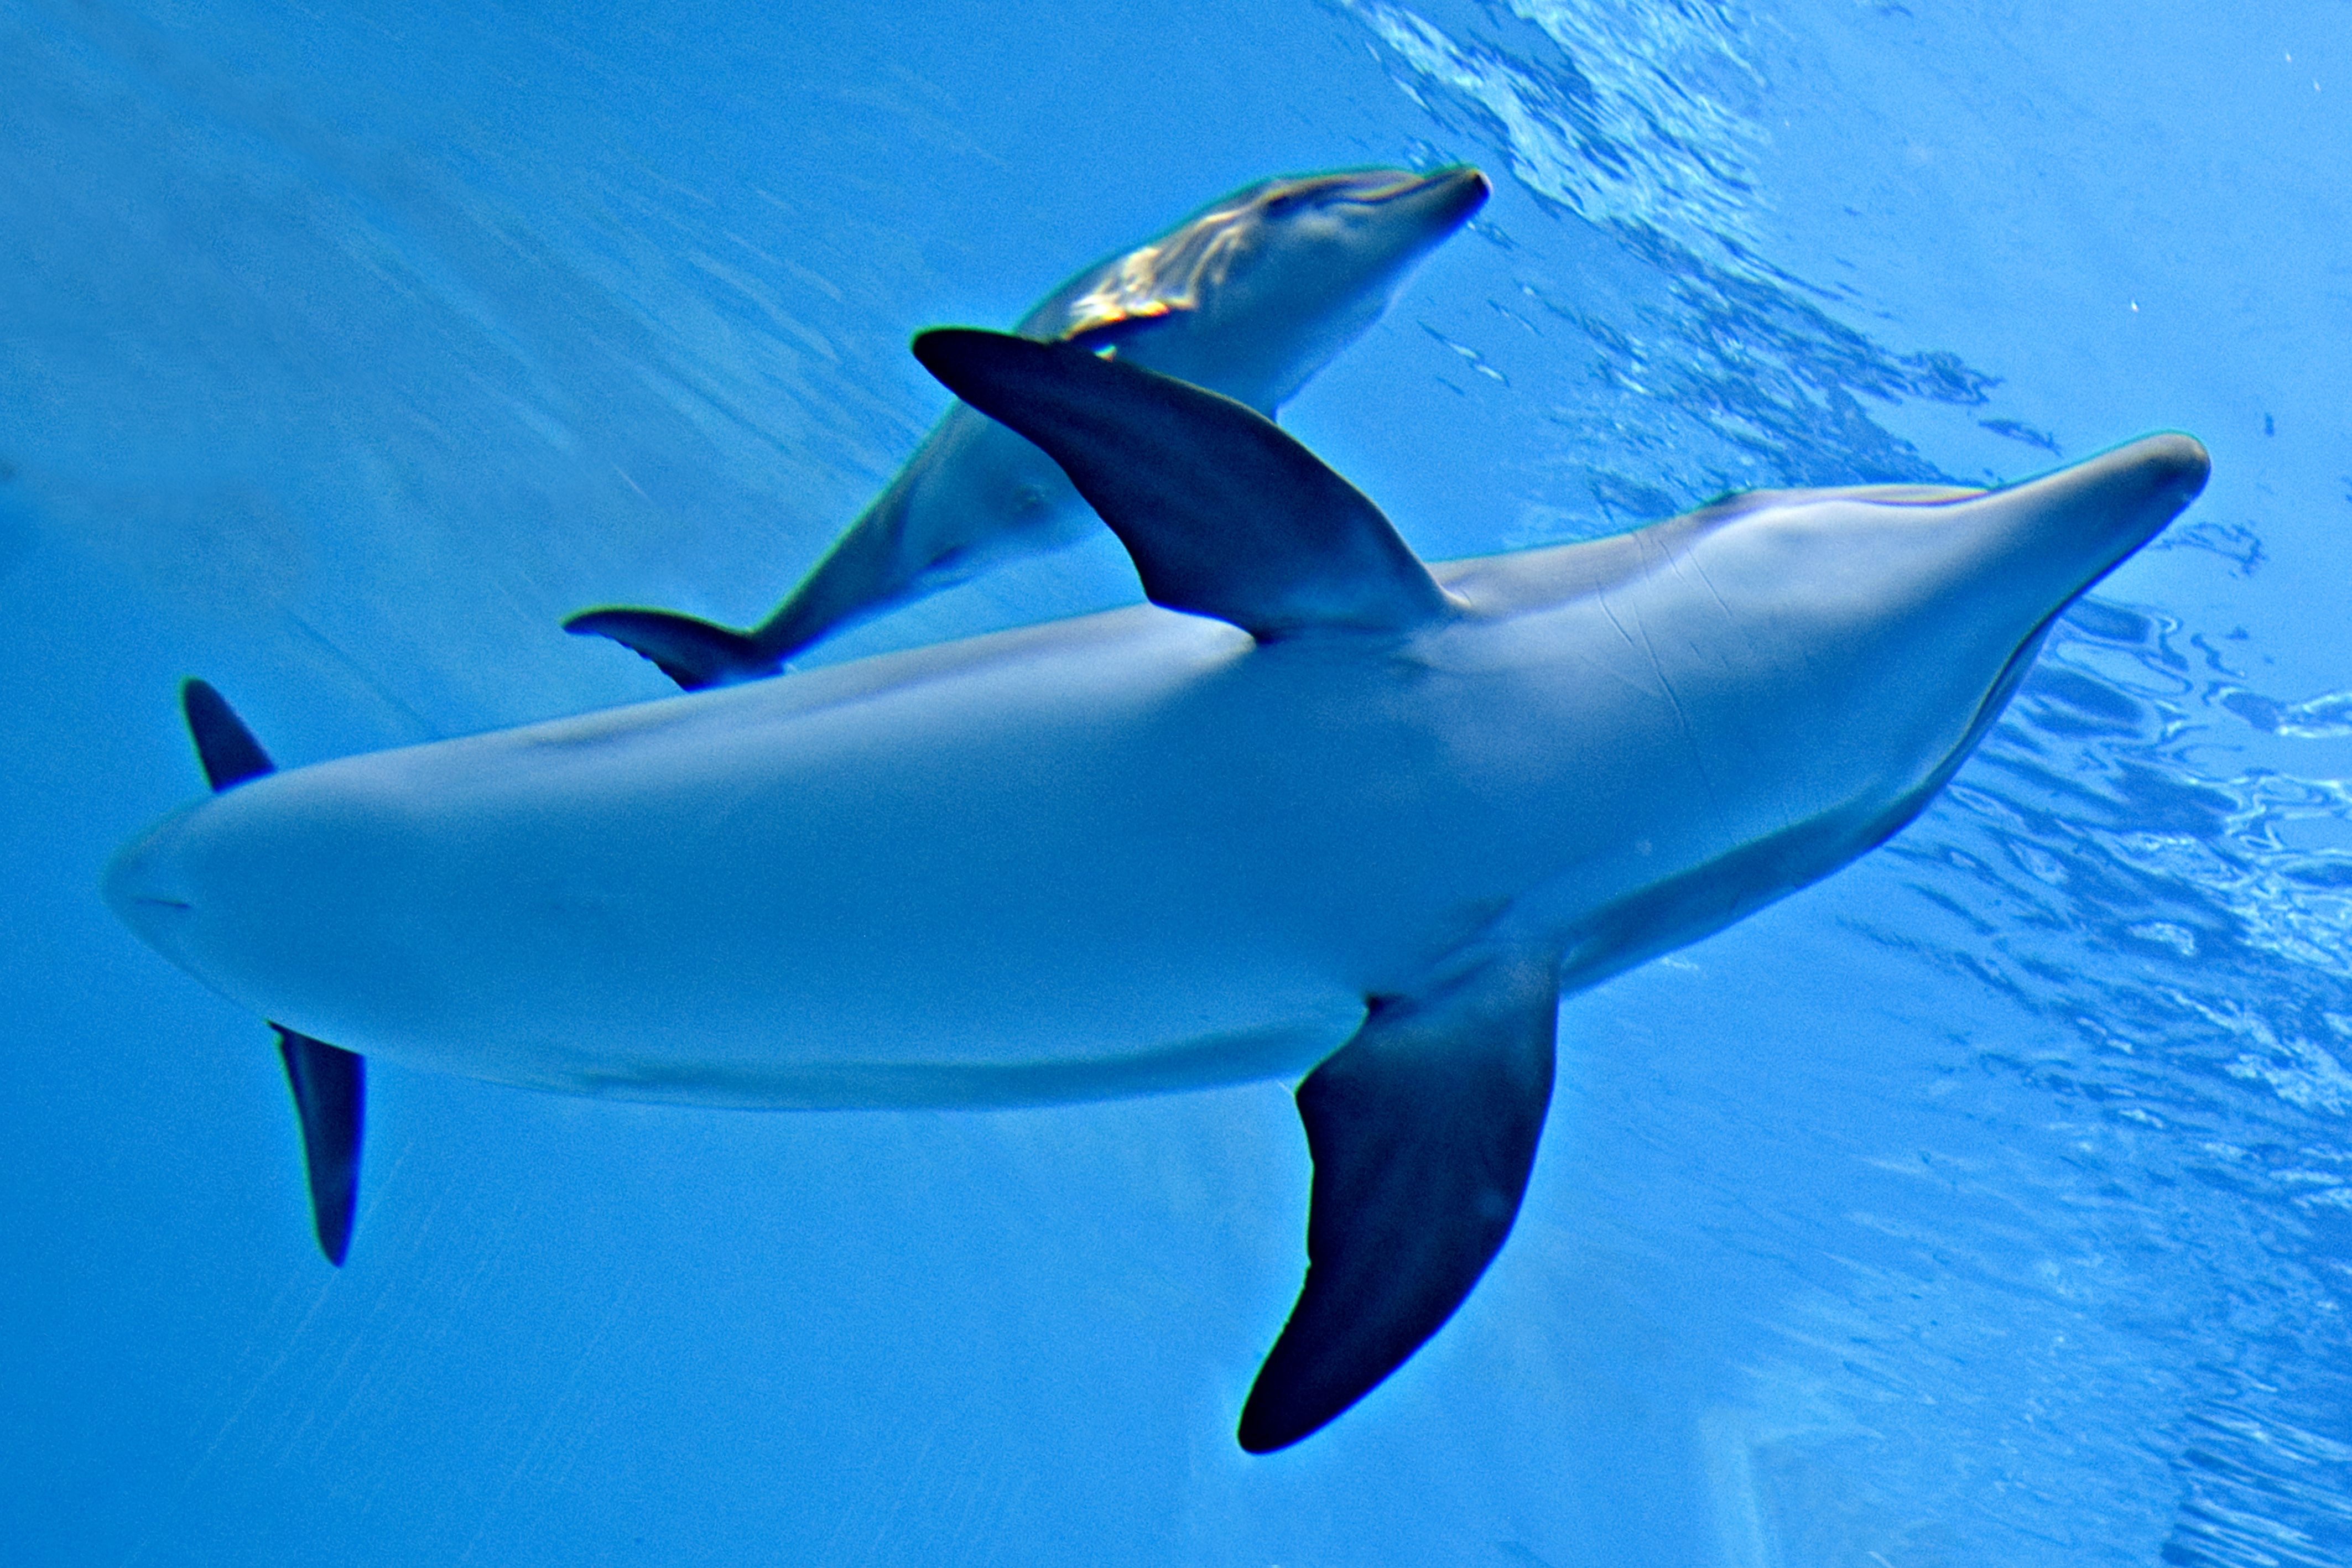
(1249, 297)
(1315, 808)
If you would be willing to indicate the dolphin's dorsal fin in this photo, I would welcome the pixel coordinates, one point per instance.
(1423, 1129)
(1223, 513)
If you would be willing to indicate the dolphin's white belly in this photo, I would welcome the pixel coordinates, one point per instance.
(1130, 852)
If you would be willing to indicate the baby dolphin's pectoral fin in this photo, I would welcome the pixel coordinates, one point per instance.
(330, 1084)
(330, 1097)
(1223, 513)
(693, 653)
(1423, 1129)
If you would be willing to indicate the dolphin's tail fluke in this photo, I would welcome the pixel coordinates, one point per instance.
(695, 654)
(330, 1088)
(224, 748)
(330, 1083)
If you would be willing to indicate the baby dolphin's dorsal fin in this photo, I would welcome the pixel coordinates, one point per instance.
(1423, 1129)
(1223, 513)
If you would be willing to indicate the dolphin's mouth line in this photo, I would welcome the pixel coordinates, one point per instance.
(161, 902)
(1427, 183)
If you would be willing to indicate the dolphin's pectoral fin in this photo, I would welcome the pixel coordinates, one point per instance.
(1423, 1129)
(330, 1084)
(695, 654)
(330, 1097)
(1223, 513)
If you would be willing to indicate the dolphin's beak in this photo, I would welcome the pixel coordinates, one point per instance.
(2093, 515)
(2033, 549)
(1446, 199)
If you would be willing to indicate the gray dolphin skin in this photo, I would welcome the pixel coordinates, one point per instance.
(1317, 809)
(1249, 297)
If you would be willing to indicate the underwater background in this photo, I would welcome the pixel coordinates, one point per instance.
(1988, 1202)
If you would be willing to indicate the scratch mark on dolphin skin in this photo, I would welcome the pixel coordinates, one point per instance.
(1699, 567)
(1657, 667)
(1756, 657)
(1610, 610)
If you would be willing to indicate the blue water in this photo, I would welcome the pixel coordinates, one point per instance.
(1991, 1203)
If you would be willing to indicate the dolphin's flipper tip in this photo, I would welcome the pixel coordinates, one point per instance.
(329, 1088)
(225, 747)
(695, 654)
(953, 353)
(1423, 1129)
(2184, 459)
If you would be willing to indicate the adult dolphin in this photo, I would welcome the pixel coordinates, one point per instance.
(1316, 807)
(1249, 297)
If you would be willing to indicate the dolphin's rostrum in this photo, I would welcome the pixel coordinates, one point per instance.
(1318, 809)
(1249, 297)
